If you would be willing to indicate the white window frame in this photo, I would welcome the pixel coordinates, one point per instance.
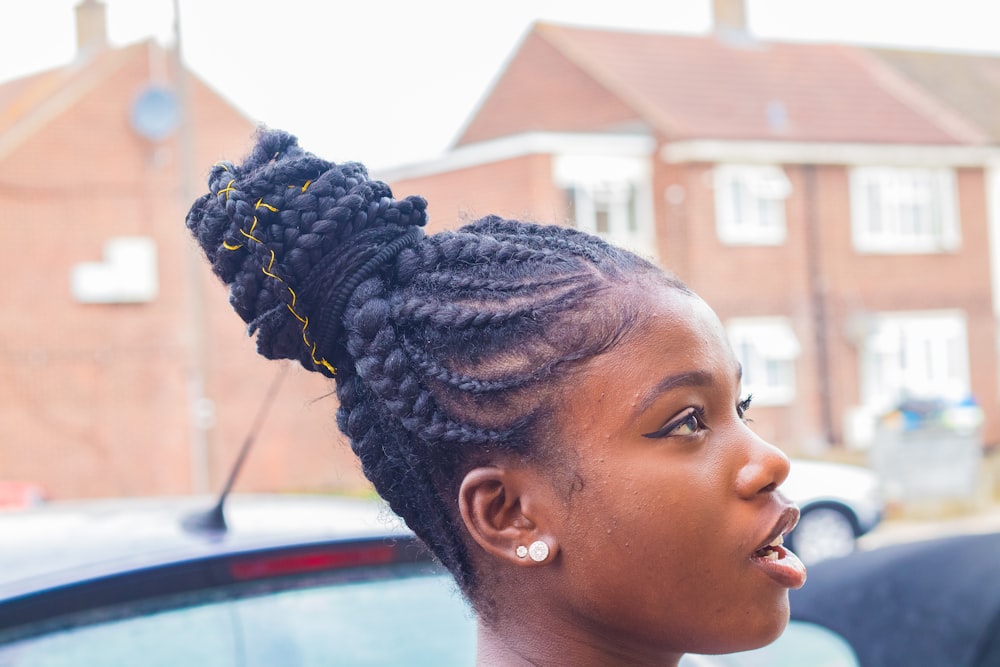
(620, 188)
(127, 273)
(914, 354)
(767, 348)
(750, 203)
(897, 210)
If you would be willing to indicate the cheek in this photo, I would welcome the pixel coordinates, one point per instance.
(649, 516)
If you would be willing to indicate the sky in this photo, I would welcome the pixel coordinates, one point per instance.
(392, 82)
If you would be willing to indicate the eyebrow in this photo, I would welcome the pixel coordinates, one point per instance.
(687, 379)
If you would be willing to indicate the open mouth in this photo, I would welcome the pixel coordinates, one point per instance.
(772, 551)
(780, 564)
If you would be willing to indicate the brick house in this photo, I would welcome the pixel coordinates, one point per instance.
(122, 369)
(833, 203)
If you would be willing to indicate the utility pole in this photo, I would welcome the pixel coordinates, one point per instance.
(200, 407)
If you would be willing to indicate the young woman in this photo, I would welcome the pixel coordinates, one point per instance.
(559, 420)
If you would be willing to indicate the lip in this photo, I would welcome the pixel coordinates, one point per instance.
(786, 570)
(787, 520)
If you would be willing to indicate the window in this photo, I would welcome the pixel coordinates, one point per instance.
(750, 204)
(914, 356)
(767, 349)
(127, 273)
(410, 619)
(605, 209)
(904, 210)
(610, 197)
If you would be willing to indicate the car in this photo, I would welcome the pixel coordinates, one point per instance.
(268, 580)
(839, 503)
(933, 602)
(265, 580)
(15, 494)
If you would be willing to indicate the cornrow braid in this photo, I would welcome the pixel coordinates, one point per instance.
(445, 347)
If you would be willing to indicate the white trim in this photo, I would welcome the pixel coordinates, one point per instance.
(518, 145)
(792, 152)
(993, 225)
(992, 177)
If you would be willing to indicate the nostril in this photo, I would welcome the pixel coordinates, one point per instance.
(773, 486)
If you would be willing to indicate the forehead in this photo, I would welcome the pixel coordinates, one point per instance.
(677, 327)
(675, 333)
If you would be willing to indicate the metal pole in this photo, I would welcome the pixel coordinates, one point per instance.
(819, 290)
(199, 405)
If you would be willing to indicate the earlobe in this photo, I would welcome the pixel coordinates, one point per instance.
(501, 517)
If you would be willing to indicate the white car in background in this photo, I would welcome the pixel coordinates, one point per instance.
(839, 503)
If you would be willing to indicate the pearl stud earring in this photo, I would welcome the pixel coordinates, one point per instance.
(538, 551)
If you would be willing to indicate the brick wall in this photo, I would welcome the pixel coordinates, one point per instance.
(94, 399)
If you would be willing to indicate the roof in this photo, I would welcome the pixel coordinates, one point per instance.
(967, 82)
(27, 104)
(707, 87)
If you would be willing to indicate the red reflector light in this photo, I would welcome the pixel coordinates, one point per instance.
(309, 561)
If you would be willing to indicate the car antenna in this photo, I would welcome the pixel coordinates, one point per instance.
(214, 520)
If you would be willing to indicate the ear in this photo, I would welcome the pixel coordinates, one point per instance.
(505, 508)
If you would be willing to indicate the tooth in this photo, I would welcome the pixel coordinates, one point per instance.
(771, 555)
(778, 541)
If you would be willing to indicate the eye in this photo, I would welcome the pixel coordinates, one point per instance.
(690, 422)
(743, 406)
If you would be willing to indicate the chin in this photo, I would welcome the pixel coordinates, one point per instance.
(746, 636)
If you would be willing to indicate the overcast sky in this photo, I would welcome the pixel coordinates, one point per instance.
(390, 82)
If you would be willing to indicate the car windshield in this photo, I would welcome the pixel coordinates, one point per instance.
(391, 616)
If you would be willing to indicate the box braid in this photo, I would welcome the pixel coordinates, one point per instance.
(444, 347)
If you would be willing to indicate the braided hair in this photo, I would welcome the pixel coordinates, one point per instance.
(444, 347)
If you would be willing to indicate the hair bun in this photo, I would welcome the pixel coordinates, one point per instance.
(293, 235)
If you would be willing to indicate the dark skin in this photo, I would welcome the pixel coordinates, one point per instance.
(654, 542)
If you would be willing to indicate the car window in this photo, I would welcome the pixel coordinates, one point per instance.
(403, 619)
(201, 635)
(415, 622)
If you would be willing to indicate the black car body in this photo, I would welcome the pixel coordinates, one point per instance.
(932, 603)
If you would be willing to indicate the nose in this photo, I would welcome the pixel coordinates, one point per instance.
(765, 468)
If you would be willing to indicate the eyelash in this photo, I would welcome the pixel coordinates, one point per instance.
(698, 414)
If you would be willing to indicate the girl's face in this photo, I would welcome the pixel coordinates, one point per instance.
(662, 539)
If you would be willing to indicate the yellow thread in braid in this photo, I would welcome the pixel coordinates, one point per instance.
(251, 237)
(321, 362)
(304, 327)
(260, 202)
(306, 185)
(226, 190)
(268, 272)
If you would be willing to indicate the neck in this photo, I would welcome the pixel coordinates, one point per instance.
(542, 645)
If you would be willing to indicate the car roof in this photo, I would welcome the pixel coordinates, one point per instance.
(70, 540)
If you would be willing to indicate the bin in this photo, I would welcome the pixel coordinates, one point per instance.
(929, 451)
